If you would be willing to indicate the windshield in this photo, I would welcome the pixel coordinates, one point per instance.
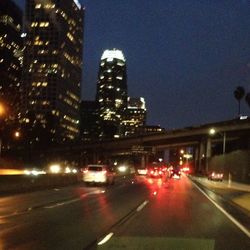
(95, 168)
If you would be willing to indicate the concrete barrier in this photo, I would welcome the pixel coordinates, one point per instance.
(10, 184)
(234, 165)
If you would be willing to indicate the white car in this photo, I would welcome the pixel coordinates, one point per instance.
(98, 174)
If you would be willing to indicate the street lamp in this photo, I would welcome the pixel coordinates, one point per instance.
(213, 131)
(17, 134)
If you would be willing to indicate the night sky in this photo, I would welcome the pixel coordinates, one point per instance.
(185, 57)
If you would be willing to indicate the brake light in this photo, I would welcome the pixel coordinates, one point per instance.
(160, 172)
(152, 172)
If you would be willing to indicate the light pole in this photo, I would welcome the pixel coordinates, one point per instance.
(212, 131)
(224, 142)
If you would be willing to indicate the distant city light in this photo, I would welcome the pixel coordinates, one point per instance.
(67, 170)
(122, 168)
(55, 169)
(74, 171)
(11, 172)
(23, 34)
(34, 172)
(2, 109)
(187, 156)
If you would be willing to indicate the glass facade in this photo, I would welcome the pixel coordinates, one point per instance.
(53, 66)
(112, 93)
(11, 58)
(89, 121)
(135, 115)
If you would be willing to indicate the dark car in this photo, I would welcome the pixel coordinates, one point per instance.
(215, 176)
(175, 173)
(155, 172)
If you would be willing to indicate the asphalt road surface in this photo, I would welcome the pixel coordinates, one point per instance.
(139, 213)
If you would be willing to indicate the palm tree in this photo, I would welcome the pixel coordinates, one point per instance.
(239, 94)
(247, 98)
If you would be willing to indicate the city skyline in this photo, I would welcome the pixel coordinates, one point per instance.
(190, 55)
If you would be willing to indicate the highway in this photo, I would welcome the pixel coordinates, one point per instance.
(135, 213)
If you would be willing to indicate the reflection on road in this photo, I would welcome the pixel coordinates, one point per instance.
(177, 216)
(135, 213)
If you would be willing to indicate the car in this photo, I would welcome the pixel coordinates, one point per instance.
(215, 176)
(155, 172)
(142, 171)
(96, 173)
(175, 173)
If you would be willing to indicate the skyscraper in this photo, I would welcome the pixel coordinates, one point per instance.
(11, 47)
(135, 115)
(53, 67)
(112, 92)
(89, 121)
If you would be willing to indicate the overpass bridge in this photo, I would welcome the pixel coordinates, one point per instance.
(233, 133)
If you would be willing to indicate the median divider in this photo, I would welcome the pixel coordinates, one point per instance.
(12, 184)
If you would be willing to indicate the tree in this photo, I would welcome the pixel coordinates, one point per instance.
(247, 98)
(239, 94)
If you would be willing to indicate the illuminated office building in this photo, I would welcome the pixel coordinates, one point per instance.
(89, 121)
(11, 58)
(135, 115)
(112, 93)
(53, 66)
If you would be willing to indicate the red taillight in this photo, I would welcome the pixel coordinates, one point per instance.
(151, 171)
(160, 172)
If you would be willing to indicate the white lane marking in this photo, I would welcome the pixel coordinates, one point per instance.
(63, 203)
(142, 206)
(229, 216)
(75, 200)
(105, 239)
